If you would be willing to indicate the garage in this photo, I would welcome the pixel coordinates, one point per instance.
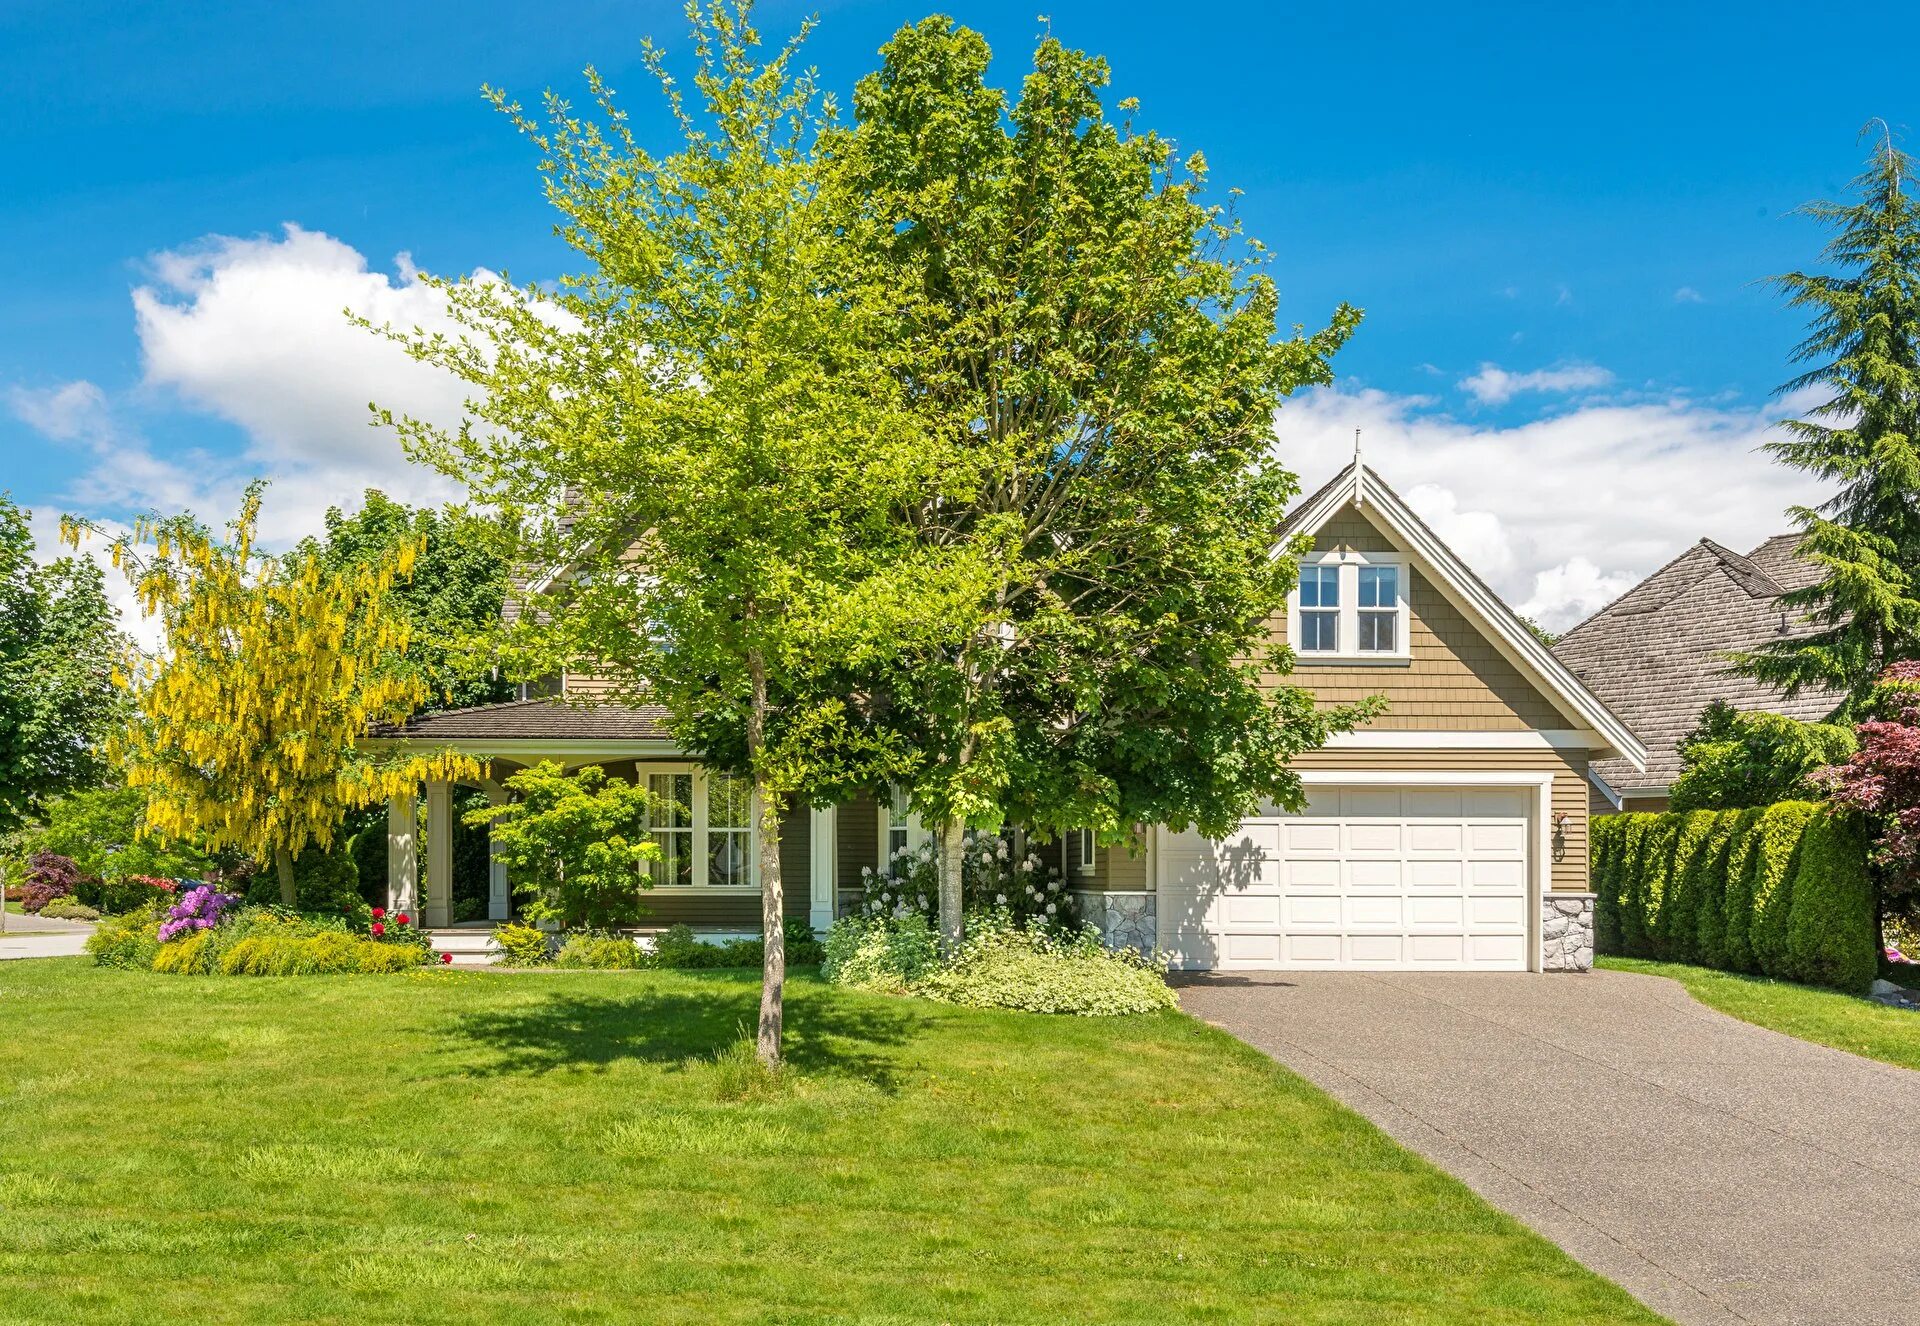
(1364, 877)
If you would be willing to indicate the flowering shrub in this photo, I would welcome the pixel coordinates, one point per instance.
(49, 876)
(131, 893)
(1007, 963)
(396, 928)
(882, 953)
(199, 909)
(992, 878)
(130, 942)
(1882, 779)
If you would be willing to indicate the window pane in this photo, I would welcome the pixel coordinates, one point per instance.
(729, 802)
(673, 868)
(1319, 631)
(1377, 631)
(727, 862)
(1320, 587)
(1379, 586)
(672, 800)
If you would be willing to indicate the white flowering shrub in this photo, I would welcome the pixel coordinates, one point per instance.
(992, 878)
(883, 953)
(1005, 962)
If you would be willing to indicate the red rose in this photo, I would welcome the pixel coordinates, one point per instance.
(446, 957)
(379, 929)
(379, 913)
(403, 919)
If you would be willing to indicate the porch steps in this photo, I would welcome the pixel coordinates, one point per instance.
(470, 948)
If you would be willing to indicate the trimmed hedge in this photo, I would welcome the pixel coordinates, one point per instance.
(1781, 891)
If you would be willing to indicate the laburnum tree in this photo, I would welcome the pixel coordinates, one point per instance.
(1098, 349)
(252, 716)
(1863, 350)
(58, 646)
(1882, 778)
(696, 443)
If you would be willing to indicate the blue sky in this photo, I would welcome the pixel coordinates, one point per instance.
(1556, 219)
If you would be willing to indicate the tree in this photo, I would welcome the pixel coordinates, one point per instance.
(576, 844)
(1864, 348)
(453, 596)
(1882, 779)
(1735, 760)
(272, 669)
(100, 830)
(695, 443)
(1099, 351)
(58, 644)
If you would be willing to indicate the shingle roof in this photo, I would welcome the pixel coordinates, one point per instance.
(1656, 655)
(536, 720)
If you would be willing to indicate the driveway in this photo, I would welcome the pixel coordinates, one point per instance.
(30, 936)
(1719, 1172)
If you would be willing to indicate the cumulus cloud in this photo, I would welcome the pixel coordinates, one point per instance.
(1562, 514)
(1686, 294)
(1494, 385)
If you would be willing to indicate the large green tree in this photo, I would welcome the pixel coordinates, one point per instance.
(452, 600)
(695, 442)
(58, 647)
(1099, 348)
(1863, 349)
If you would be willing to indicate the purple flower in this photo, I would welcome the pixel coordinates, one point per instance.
(199, 908)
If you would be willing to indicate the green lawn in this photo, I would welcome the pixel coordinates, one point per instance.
(467, 1147)
(1846, 1022)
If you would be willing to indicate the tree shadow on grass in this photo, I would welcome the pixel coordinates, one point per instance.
(568, 1031)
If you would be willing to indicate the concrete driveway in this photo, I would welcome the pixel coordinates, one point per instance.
(30, 936)
(1719, 1172)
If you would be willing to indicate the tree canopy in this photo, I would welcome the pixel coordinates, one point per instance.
(1863, 351)
(58, 647)
(1734, 760)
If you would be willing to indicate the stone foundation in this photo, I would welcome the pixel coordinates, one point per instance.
(1124, 920)
(1566, 932)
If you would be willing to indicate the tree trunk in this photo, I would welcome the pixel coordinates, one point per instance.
(773, 969)
(953, 845)
(283, 866)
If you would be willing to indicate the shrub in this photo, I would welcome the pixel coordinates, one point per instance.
(1777, 847)
(884, 953)
(577, 845)
(1607, 846)
(200, 908)
(1004, 964)
(1832, 931)
(129, 942)
(130, 893)
(600, 952)
(1734, 760)
(193, 955)
(1632, 888)
(69, 909)
(49, 876)
(324, 881)
(1737, 894)
(522, 945)
(314, 953)
(992, 878)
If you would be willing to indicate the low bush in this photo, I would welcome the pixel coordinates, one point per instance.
(522, 945)
(679, 947)
(883, 953)
(130, 942)
(322, 953)
(49, 876)
(1783, 891)
(69, 909)
(600, 951)
(249, 941)
(1004, 964)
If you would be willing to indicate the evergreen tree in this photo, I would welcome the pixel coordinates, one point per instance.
(1864, 347)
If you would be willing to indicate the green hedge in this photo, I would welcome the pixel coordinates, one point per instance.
(1781, 891)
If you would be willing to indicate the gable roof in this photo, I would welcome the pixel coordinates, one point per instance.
(535, 720)
(1656, 654)
(1359, 486)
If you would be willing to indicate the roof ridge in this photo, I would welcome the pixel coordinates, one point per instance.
(1628, 593)
(1740, 566)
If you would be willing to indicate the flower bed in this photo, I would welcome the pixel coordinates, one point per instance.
(207, 933)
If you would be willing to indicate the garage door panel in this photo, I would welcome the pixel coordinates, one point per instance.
(1366, 877)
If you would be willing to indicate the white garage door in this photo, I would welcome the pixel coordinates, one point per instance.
(1417, 878)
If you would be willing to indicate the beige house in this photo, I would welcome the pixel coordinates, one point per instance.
(1450, 834)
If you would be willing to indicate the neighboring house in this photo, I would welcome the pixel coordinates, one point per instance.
(1657, 656)
(1449, 834)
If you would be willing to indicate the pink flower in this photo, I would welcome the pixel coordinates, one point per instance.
(379, 929)
(379, 913)
(403, 919)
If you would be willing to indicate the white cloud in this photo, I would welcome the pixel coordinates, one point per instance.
(1494, 385)
(1562, 514)
(1686, 294)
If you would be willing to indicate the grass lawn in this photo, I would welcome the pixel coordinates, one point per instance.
(1826, 1017)
(466, 1147)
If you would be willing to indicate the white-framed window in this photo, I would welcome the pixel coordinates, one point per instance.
(1350, 606)
(896, 825)
(1083, 847)
(703, 825)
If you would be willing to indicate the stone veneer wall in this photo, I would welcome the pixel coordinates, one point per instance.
(1566, 932)
(1124, 920)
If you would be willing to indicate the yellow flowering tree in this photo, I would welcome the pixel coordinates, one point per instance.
(252, 714)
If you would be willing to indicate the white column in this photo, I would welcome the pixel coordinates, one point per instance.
(403, 871)
(824, 874)
(437, 907)
(499, 900)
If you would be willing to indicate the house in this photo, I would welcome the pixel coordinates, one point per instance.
(1657, 656)
(1449, 834)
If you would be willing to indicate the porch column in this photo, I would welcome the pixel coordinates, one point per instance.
(437, 907)
(823, 875)
(499, 900)
(403, 877)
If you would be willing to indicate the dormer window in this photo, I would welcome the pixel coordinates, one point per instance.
(1350, 606)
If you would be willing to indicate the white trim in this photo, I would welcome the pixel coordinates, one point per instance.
(1116, 893)
(436, 908)
(1356, 484)
(1409, 739)
(823, 833)
(697, 839)
(1349, 608)
(1089, 847)
(1601, 785)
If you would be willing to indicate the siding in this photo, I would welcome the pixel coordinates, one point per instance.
(1117, 869)
(1456, 679)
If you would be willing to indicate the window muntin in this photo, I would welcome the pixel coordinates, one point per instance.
(899, 822)
(703, 824)
(672, 832)
(729, 831)
(1351, 605)
(1320, 604)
